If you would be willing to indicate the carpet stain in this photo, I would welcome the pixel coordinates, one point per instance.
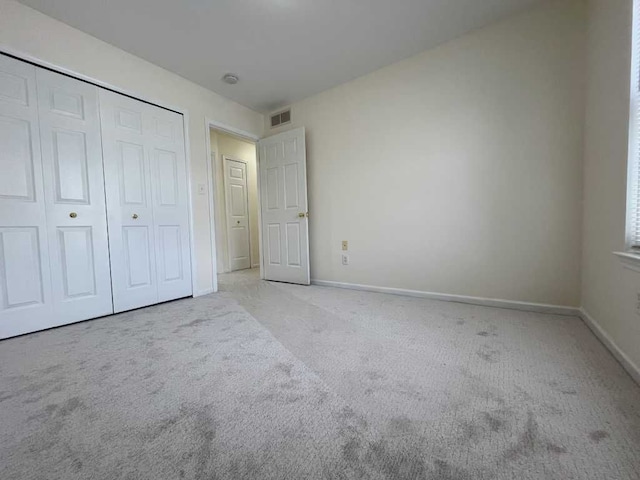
(284, 368)
(494, 422)
(350, 450)
(526, 441)
(395, 464)
(445, 471)
(68, 407)
(105, 367)
(193, 323)
(489, 354)
(553, 448)
(598, 435)
(401, 426)
(52, 369)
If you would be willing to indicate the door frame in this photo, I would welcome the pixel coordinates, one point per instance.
(226, 158)
(243, 134)
(38, 62)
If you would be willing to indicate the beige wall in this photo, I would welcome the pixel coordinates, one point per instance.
(610, 292)
(223, 144)
(29, 32)
(458, 170)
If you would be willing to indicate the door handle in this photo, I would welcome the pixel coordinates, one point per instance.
(134, 216)
(73, 214)
(303, 215)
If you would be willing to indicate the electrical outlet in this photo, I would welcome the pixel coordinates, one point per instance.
(345, 259)
(345, 245)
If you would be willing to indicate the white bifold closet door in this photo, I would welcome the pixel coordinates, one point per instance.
(54, 258)
(26, 302)
(146, 187)
(74, 197)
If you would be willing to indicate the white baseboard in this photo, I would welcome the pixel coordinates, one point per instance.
(203, 292)
(486, 302)
(608, 342)
(255, 265)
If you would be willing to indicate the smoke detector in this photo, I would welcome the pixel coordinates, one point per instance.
(230, 78)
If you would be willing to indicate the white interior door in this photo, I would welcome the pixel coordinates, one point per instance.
(283, 206)
(237, 206)
(75, 201)
(146, 186)
(26, 301)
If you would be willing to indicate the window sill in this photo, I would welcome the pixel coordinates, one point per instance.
(629, 260)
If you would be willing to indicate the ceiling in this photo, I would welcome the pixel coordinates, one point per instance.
(282, 50)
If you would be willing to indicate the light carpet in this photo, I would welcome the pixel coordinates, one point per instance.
(276, 381)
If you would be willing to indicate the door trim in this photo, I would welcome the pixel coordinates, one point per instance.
(25, 57)
(226, 158)
(208, 125)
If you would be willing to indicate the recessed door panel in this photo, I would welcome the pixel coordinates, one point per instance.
(67, 103)
(238, 198)
(132, 174)
(16, 159)
(137, 256)
(274, 244)
(14, 87)
(291, 196)
(283, 182)
(293, 244)
(70, 167)
(239, 234)
(170, 239)
(130, 121)
(164, 129)
(78, 266)
(20, 267)
(271, 189)
(167, 177)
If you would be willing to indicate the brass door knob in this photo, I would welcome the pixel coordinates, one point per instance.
(73, 214)
(301, 215)
(134, 216)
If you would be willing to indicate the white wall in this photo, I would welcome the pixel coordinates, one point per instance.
(30, 32)
(223, 144)
(610, 292)
(458, 170)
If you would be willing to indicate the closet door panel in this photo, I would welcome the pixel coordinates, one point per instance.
(74, 190)
(170, 207)
(130, 216)
(26, 302)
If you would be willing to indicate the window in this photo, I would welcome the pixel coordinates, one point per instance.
(633, 199)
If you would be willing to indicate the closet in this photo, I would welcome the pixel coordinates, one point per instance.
(93, 201)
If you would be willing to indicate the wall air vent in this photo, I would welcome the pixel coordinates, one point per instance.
(281, 118)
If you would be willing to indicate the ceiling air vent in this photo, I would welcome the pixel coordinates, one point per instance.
(281, 118)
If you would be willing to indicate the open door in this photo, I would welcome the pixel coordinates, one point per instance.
(283, 206)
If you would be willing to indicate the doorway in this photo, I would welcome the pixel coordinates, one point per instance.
(235, 180)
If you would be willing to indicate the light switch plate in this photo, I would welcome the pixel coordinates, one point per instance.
(345, 245)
